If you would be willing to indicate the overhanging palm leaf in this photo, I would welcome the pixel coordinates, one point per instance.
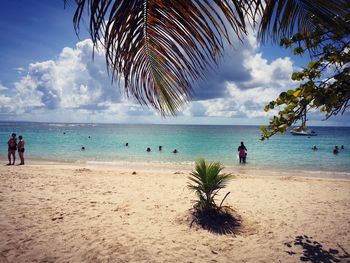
(160, 47)
(284, 18)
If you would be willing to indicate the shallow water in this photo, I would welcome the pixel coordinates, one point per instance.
(217, 143)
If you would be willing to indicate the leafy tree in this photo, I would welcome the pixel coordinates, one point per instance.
(324, 82)
(161, 47)
(207, 181)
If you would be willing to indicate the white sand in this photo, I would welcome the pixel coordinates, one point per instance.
(86, 213)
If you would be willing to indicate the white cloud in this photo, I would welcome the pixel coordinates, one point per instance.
(73, 81)
(4, 100)
(244, 83)
(259, 95)
(2, 87)
(76, 88)
(20, 70)
(276, 73)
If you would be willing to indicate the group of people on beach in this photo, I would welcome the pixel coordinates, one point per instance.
(13, 146)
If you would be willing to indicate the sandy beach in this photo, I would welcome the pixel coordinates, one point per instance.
(88, 213)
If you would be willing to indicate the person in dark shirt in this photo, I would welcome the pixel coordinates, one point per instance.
(242, 153)
(12, 147)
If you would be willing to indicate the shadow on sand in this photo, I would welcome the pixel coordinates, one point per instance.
(313, 251)
(223, 221)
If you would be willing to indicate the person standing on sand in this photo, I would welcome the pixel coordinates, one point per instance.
(12, 147)
(242, 153)
(21, 149)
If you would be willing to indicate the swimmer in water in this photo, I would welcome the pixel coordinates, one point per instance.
(335, 150)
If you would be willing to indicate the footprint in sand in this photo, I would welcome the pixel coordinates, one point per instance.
(57, 216)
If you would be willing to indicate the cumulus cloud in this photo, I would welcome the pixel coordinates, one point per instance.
(242, 84)
(2, 87)
(276, 74)
(20, 70)
(4, 101)
(74, 87)
(73, 81)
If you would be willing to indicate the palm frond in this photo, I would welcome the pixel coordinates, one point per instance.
(283, 18)
(159, 47)
(207, 180)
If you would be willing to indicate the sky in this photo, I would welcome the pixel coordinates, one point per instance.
(47, 74)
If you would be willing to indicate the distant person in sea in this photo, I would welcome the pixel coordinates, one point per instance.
(314, 148)
(342, 147)
(127, 144)
(12, 147)
(83, 148)
(242, 153)
(21, 149)
(174, 151)
(148, 149)
(336, 150)
(160, 148)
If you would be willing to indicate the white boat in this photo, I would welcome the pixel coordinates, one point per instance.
(301, 132)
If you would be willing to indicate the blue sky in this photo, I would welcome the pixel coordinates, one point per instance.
(47, 74)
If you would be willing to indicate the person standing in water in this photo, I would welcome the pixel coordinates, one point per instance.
(242, 153)
(12, 147)
(21, 149)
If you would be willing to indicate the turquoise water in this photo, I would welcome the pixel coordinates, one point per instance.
(216, 143)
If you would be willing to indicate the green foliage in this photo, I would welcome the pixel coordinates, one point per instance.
(206, 180)
(324, 83)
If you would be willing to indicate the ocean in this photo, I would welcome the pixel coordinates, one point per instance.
(105, 143)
